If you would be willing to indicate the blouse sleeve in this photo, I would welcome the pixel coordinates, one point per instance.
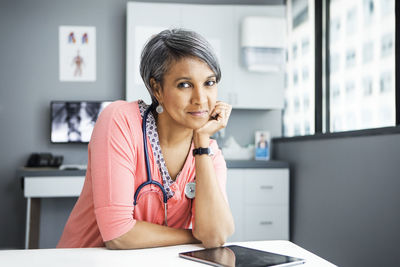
(221, 174)
(113, 159)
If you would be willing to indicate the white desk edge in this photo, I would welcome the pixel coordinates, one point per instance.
(165, 256)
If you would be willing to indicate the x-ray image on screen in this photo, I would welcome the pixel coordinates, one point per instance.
(73, 122)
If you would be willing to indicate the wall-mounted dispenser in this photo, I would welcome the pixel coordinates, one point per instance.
(263, 44)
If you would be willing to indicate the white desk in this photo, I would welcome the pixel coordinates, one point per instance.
(166, 256)
(46, 183)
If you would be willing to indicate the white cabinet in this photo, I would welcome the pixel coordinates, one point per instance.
(220, 25)
(259, 201)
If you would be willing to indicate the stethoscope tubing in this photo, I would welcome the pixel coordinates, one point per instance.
(146, 157)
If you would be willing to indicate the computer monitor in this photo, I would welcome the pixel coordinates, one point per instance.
(73, 121)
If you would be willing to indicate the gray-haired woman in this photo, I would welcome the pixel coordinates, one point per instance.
(181, 74)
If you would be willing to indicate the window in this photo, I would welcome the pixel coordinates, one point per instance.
(305, 46)
(368, 11)
(367, 86)
(299, 12)
(368, 52)
(387, 46)
(367, 45)
(294, 51)
(305, 74)
(298, 113)
(357, 88)
(351, 18)
(350, 58)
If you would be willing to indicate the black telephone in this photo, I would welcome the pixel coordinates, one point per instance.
(44, 160)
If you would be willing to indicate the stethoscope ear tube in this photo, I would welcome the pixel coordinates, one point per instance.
(146, 155)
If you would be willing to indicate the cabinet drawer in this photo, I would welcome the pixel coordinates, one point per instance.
(266, 222)
(234, 188)
(267, 187)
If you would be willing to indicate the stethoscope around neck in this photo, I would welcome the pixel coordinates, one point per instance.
(189, 188)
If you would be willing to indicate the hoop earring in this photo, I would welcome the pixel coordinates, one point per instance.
(159, 109)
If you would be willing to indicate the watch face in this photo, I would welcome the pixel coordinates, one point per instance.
(210, 152)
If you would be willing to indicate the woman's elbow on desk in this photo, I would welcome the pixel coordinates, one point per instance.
(127, 241)
(213, 243)
(119, 244)
(212, 239)
(115, 244)
(111, 245)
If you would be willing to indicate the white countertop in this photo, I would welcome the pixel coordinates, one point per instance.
(164, 256)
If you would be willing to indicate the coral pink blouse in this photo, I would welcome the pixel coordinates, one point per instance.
(116, 168)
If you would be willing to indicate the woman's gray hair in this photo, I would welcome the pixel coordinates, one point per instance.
(172, 45)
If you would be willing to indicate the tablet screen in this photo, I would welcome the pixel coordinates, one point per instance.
(235, 256)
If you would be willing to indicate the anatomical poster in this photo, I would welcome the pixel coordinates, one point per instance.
(77, 53)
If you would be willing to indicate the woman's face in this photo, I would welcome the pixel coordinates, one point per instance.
(188, 93)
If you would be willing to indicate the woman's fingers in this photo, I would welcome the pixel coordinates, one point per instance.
(219, 118)
(222, 112)
(221, 107)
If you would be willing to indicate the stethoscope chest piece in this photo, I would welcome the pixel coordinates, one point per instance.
(190, 190)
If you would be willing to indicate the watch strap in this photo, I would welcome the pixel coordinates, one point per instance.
(202, 151)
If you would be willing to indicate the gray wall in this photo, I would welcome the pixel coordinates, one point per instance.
(29, 81)
(345, 198)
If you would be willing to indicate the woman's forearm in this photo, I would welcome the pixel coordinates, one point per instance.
(213, 219)
(147, 235)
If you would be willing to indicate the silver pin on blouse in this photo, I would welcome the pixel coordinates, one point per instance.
(190, 190)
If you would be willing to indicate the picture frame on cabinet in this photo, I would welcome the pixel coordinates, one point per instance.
(262, 145)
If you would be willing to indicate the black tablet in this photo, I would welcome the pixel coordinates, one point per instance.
(235, 256)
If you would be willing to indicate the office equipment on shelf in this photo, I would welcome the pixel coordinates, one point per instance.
(233, 151)
(73, 167)
(44, 160)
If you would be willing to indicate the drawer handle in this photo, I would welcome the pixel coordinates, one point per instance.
(266, 187)
(266, 223)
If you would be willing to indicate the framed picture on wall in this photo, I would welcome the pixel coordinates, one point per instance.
(262, 145)
(77, 53)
